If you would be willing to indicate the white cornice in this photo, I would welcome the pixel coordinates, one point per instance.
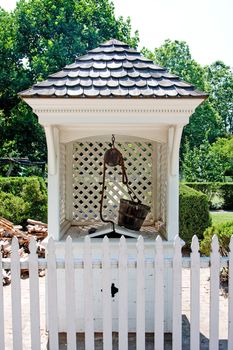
(117, 106)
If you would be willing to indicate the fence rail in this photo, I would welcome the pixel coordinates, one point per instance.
(121, 265)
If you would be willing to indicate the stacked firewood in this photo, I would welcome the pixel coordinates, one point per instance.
(8, 230)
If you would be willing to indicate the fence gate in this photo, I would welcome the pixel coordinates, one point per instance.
(15, 335)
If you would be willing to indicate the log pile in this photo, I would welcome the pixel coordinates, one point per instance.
(8, 230)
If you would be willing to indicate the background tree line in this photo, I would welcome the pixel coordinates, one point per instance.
(41, 36)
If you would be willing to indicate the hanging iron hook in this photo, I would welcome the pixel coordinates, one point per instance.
(113, 140)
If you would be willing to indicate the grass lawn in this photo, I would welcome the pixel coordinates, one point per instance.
(221, 216)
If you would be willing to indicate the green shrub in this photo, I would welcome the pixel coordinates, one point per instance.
(13, 208)
(224, 231)
(194, 214)
(22, 198)
(220, 194)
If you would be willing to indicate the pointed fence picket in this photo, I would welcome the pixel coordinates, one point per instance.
(159, 295)
(195, 296)
(123, 295)
(140, 299)
(140, 262)
(214, 293)
(107, 303)
(34, 296)
(230, 297)
(88, 302)
(70, 295)
(16, 296)
(2, 336)
(52, 296)
(176, 300)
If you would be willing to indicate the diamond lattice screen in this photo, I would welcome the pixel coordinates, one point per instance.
(88, 175)
(62, 182)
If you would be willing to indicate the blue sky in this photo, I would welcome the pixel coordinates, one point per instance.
(206, 25)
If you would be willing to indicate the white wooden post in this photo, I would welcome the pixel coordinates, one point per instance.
(34, 295)
(70, 295)
(140, 316)
(159, 295)
(52, 138)
(155, 182)
(195, 296)
(16, 296)
(123, 295)
(230, 297)
(214, 293)
(176, 300)
(88, 297)
(2, 337)
(174, 137)
(107, 302)
(52, 296)
(69, 181)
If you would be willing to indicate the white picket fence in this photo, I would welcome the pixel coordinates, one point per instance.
(88, 264)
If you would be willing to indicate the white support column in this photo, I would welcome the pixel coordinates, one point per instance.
(174, 137)
(52, 138)
(155, 202)
(69, 182)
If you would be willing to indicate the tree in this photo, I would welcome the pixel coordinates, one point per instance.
(220, 86)
(38, 38)
(224, 148)
(176, 56)
(202, 164)
(51, 32)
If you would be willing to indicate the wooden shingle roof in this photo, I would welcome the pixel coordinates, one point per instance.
(113, 70)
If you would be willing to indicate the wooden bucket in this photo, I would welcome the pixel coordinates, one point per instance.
(132, 214)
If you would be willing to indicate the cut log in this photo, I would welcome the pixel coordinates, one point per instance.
(34, 222)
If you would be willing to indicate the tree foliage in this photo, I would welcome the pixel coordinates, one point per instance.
(212, 120)
(38, 38)
(220, 86)
(201, 163)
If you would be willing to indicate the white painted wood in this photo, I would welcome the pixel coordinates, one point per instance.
(157, 133)
(52, 154)
(140, 299)
(69, 180)
(123, 294)
(159, 296)
(173, 183)
(54, 189)
(88, 298)
(16, 296)
(106, 111)
(107, 302)
(155, 183)
(230, 297)
(2, 336)
(52, 296)
(175, 150)
(176, 300)
(34, 295)
(195, 296)
(70, 295)
(214, 294)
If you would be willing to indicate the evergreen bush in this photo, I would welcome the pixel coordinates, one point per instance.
(194, 214)
(22, 198)
(220, 194)
(224, 231)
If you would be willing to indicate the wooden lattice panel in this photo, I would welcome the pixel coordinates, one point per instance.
(162, 178)
(88, 176)
(62, 182)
